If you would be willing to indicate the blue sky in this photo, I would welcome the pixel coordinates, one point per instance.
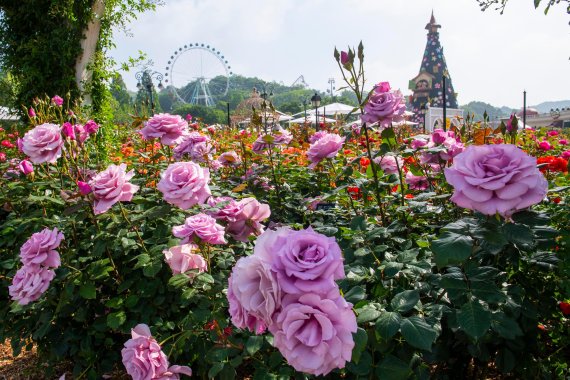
(491, 57)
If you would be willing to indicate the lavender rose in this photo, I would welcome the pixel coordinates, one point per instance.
(254, 294)
(384, 106)
(325, 147)
(40, 248)
(182, 259)
(227, 209)
(416, 182)
(248, 220)
(111, 186)
(195, 145)
(43, 143)
(317, 135)
(29, 283)
(185, 184)
(144, 360)
(229, 158)
(314, 332)
(304, 261)
(389, 164)
(169, 128)
(495, 179)
(200, 226)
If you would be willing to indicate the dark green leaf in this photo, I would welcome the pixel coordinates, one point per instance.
(360, 340)
(505, 326)
(367, 313)
(405, 301)
(392, 368)
(486, 291)
(216, 368)
(115, 320)
(474, 319)
(451, 248)
(388, 324)
(418, 333)
(254, 344)
(87, 291)
(355, 294)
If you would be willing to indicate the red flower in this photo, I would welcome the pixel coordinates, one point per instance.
(354, 192)
(7, 144)
(556, 200)
(364, 162)
(555, 164)
(565, 308)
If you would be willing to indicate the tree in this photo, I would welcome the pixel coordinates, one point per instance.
(501, 4)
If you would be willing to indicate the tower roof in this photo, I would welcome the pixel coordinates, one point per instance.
(432, 26)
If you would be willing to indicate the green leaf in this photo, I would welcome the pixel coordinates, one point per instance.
(88, 291)
(418, 333)
(389, 136)
(405, 301)
(487, 291)
(355, 294)
(388, 324)
(179, 280)
(392, 368)
(474, 319)
(505, 360)
(216, 368)
(518, 234)
(360, 340)
(505, 326)
(367, 313)
(358, 223)
(254, 344)
(451, 248)
(115, 320)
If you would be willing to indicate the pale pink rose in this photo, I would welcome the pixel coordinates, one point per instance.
(43, 143)
(416, 182)
(317, 135)
(200, 226)
(384, 106)
(229, 158)
(144, 360)
(170, 129)
(389, 164)
(495, 179)
(195, 145)
(185, 184)
(325, 147)
(254, 294)
(181, 258)
(418, 143)
(40, 248)
(215, 165)
(248, 220)
(303, 261)
(313, 332)
(111, 186)
(227, 208)
(29, 283)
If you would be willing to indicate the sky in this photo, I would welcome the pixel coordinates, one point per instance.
(490, 57)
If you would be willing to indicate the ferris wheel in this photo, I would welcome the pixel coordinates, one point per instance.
(198, 74)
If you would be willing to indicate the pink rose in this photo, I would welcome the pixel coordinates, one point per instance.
(418, 143)
(169, 128)
(195, 145)
(325, 147)
(200, 226)
(254, 294)
(416, 182)
(227, 209)
(248, 220)
(84, 188)
(281, 136)
(40, 248)
(544, 145)
(68, 130)
(2, 157)
(31, 112)
(495, 179)
(384, 106)
(57, 100)
(304, 261)
(344, 58)
(91, 127)
(26, 167)
(552, 133)
(563, 142)
(185, 184)
(144, 360)
(229, 159)
(317, 135)
(111, 186)
(389, 164)
(566, 155)
(182, 259)
(314, 332)
(43, 143)
(29, 283)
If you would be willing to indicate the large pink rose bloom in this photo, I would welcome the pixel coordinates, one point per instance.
(195, 145)
(304, 261)
(389, 164)
(111, 186)
(170, 129)
(40, 248)
(182, 258)
(29, 283)
(248, 221)
(43, 143)
(495, 179)
(325, 147)
(185, 184)
(384, 106)
(144, 360)
(200, 226)
(314, 332)
(254, 294)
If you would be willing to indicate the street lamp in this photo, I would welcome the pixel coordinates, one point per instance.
(264, 95)
(144, 79)
(331, 83)
(316, 102)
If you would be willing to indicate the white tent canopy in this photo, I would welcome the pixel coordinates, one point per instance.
(337, 108)
(311, 119)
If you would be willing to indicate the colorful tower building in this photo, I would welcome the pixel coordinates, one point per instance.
(427, 86)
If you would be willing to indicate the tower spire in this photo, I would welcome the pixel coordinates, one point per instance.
(432, 26)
